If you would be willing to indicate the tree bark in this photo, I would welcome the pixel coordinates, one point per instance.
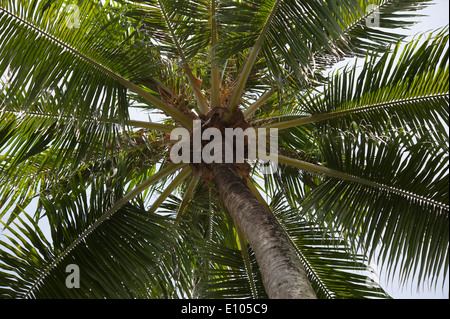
(283, 275)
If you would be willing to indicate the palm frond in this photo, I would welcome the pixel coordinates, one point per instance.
(222, 265)
(407, 87)
(334, 269)
(120, 268)
(34, 160)
(133, 262)
(289, 34)
(108, 58)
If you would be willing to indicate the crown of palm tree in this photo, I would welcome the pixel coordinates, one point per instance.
(362, 152)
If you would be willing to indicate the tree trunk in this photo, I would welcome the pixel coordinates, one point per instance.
(282, 272)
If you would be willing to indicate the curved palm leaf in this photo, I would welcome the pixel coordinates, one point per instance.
(400, 221)
(81, 215)
(376, 150)
(226, 266)
(108, 57)
(408, 86)
(104, 189)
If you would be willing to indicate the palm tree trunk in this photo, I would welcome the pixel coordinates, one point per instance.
(283, 274)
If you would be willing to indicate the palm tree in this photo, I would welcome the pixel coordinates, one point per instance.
(362, 152)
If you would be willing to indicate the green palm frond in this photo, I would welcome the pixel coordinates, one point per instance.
(74, 107)
(30, 133)
(49, 56)
(81, 216)
(399, 219)
(378, 27)
(120, 268)
(408, 86)
(334, 270)
(109, 54)
(34, 159)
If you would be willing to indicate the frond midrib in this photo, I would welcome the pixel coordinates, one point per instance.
(365, 108)
(318, 169)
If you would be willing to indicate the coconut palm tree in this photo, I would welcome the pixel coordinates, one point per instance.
(362, 156)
